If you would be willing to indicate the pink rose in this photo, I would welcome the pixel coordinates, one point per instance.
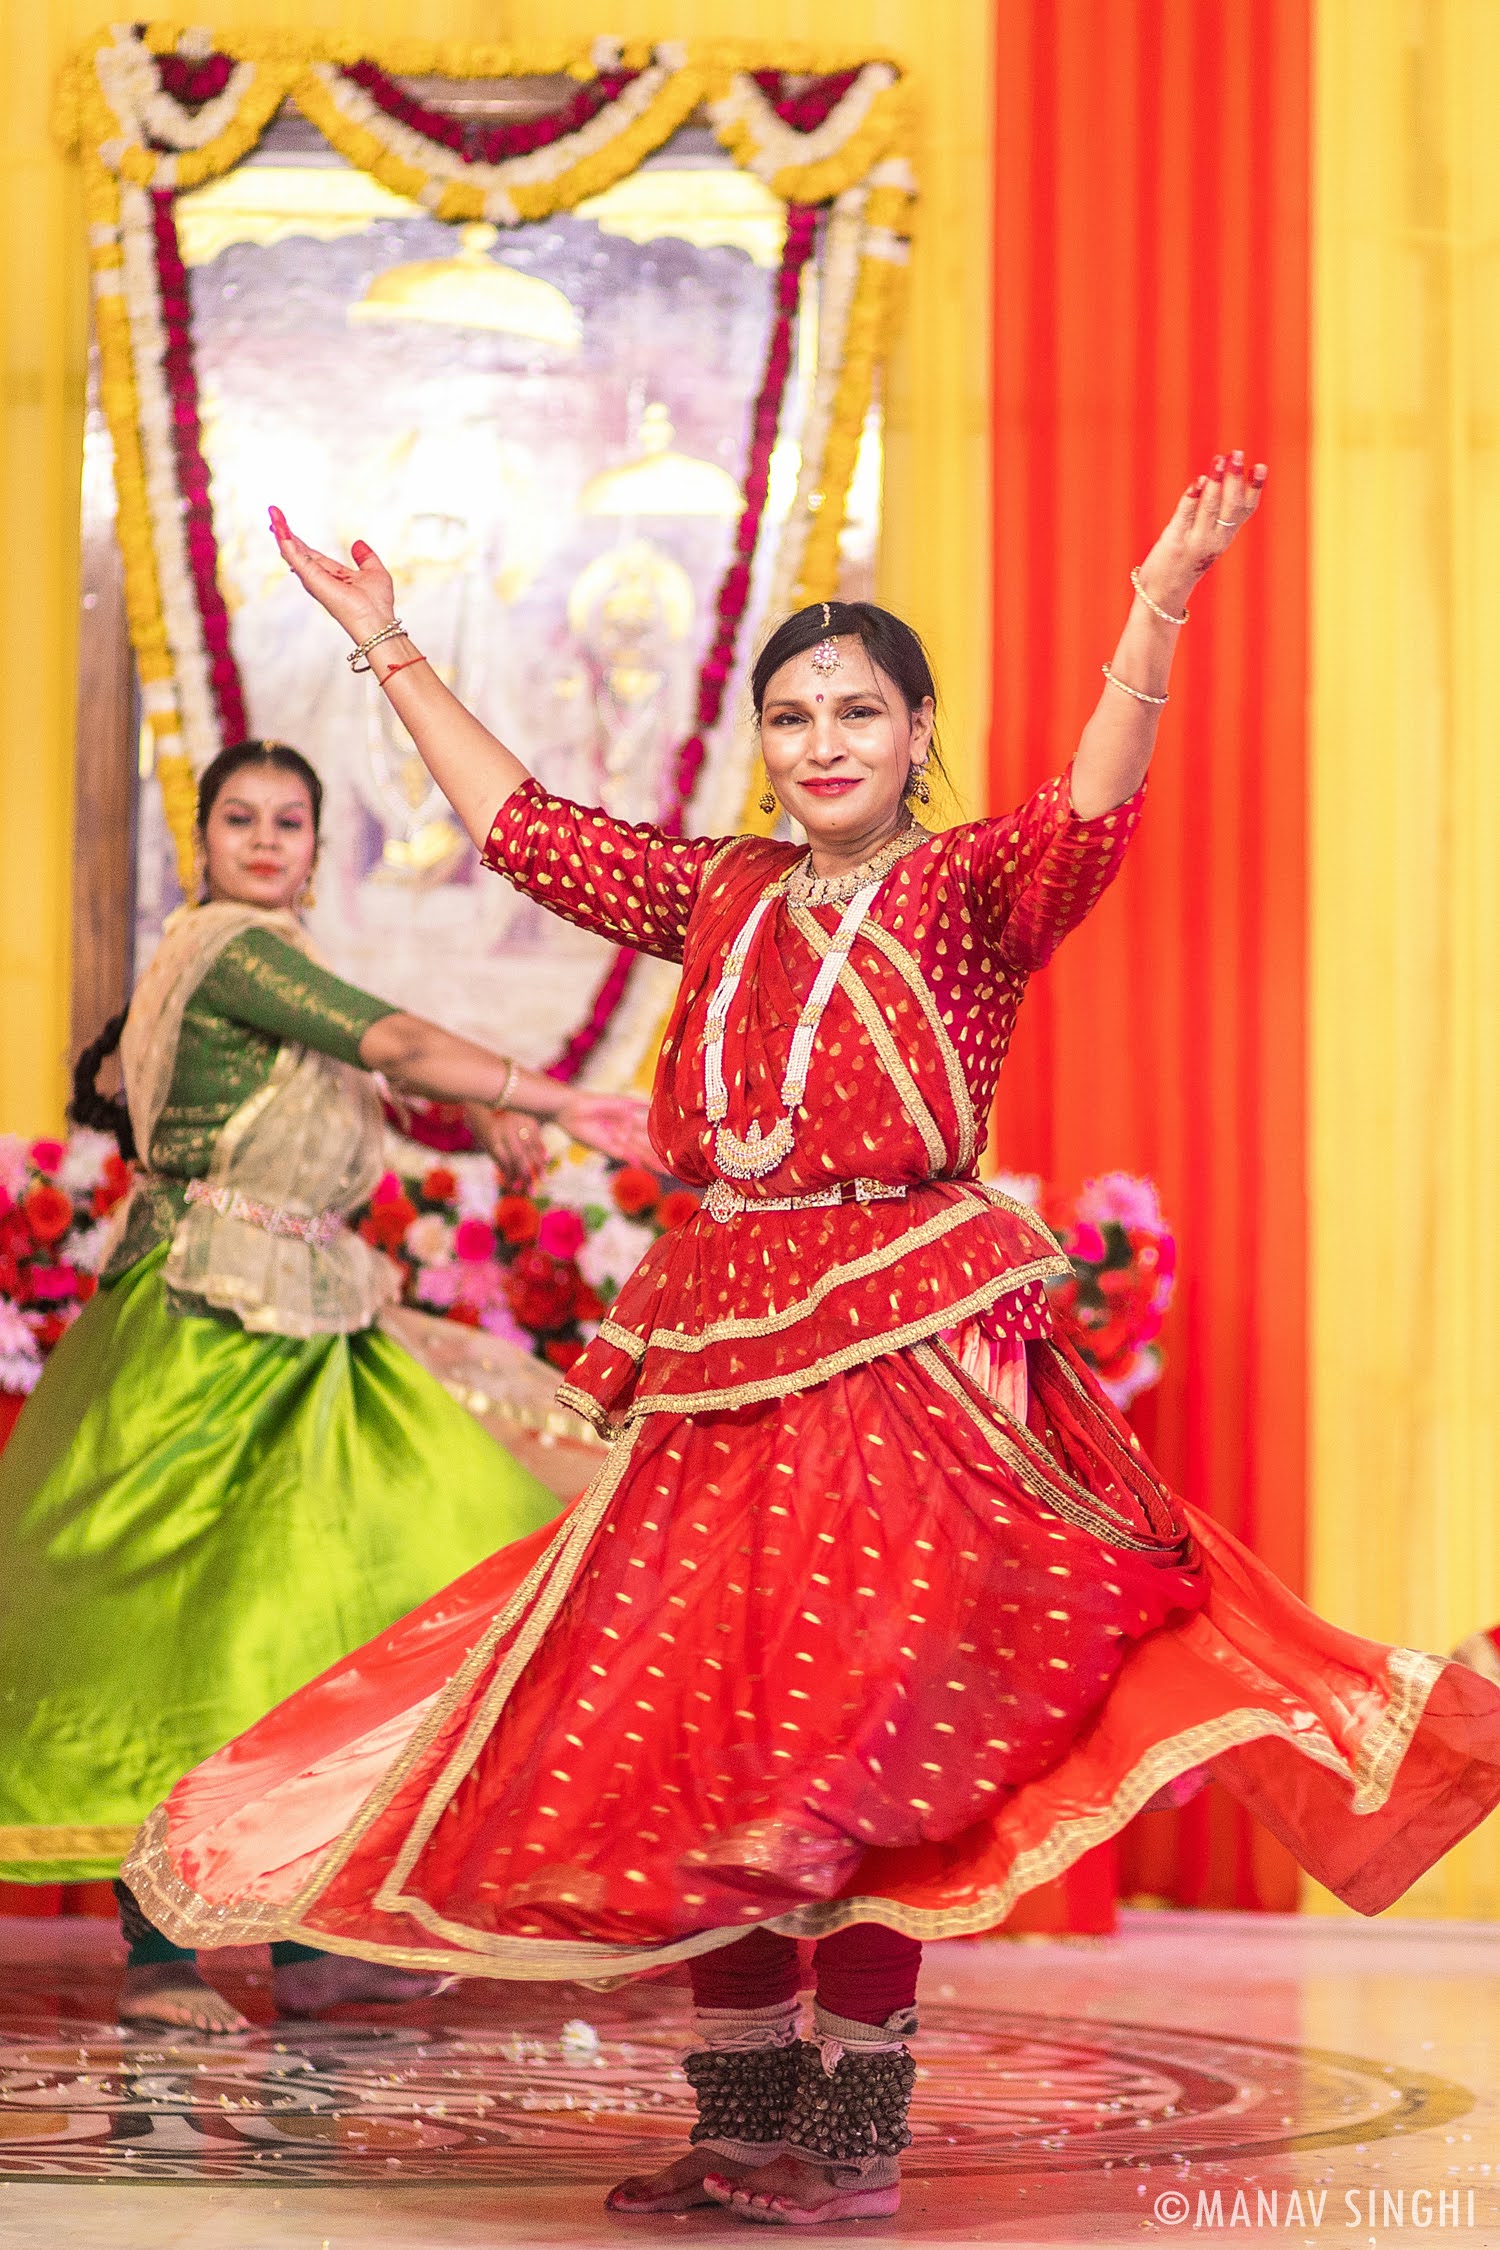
(474, 1242)
(47, 1155)
(561, 1234)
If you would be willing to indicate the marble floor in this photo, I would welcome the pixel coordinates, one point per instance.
(1203, 2078)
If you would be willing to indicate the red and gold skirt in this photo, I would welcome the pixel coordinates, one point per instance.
(897, 1648)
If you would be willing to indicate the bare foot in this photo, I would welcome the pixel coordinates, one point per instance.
(676, 2187)
(793, 2193)
(171, 1995)
(337, 1980)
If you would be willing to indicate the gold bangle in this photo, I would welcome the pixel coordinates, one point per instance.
(358, 659)
(1166, 615)
(1137, 695)
(510, 1078)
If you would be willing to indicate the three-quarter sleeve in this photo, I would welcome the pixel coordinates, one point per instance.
(262, 981)
(1035, 873)
(632, 885)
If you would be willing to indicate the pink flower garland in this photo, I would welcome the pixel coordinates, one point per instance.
(816, 103)
(193, 83)
(734, 598)
(181, 376)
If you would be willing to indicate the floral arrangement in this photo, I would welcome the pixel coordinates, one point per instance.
(55, 1202)
(539, 1270)
(1124, 1261)
(153, 110)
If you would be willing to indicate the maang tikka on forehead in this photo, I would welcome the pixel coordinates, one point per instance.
(826, 657)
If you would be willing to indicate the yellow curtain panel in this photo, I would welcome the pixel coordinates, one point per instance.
(1405, 937)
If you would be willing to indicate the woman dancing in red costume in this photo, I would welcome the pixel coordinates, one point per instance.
(877, 1616)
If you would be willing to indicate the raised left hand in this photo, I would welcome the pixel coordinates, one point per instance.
(1203, 525)
(615, 1124)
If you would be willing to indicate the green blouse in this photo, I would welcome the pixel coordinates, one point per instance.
(260, 995)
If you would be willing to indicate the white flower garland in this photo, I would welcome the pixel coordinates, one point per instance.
(131, 81)
(193, 699)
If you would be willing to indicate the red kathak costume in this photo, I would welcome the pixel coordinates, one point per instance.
(877, 1612)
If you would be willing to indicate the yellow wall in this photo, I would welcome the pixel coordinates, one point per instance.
(1406, 838)
(936, 559)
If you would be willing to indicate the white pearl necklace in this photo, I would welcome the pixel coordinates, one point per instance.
(752, 1155)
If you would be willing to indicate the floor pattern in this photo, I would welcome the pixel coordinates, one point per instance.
(1200, 2078)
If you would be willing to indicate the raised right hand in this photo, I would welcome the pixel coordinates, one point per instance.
(362, 599)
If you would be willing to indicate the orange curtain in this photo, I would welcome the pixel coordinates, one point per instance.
(1151, 302)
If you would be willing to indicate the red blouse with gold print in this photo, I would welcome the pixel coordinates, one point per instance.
(747, 1303)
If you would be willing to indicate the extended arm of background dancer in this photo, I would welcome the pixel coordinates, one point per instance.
(417, 1057)
(1116, 745)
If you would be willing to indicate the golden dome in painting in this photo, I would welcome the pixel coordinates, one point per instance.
(661, 481)
(472, 291)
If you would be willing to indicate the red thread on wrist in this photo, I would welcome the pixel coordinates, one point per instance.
(404, 666)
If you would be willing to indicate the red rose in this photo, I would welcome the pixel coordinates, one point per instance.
(114, 1186)
(587, 1302)
(675, 1209)
(388, 1221)
(636, 1191)
(466, 1315)
(518, 1220)
(540, 1290)
(49, 1213)
(440, 1185)
(561, 1352)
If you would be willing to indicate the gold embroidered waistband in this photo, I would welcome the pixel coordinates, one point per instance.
(724, 1203)
(319, 1229)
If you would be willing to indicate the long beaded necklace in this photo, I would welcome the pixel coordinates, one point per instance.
(750, 1156)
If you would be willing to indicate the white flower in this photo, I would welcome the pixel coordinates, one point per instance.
(88, 1247)
(15, 1331)
(578, 1179)
(478, 1185)
(1021, 1187)
(13, 1163)
(82, 1168)
(430, 1239)
(612, 1252)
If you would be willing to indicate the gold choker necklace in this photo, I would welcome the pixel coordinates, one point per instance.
(809, 888)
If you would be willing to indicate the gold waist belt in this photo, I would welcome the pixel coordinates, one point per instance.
(724, 1203)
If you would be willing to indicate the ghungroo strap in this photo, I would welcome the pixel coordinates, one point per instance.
(744, 2093)
(856, 2111)
(133, 1924)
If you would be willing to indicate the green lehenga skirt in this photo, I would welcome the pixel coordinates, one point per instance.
(194, 1522)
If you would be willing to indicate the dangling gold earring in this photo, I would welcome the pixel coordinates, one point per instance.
(307, 896)
(916, 786)
(767, 799)
(200, 876)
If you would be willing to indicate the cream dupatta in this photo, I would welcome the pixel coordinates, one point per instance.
(309, 1142)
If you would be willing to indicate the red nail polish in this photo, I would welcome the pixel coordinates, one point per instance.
(1261, 473)
(1218, 467)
